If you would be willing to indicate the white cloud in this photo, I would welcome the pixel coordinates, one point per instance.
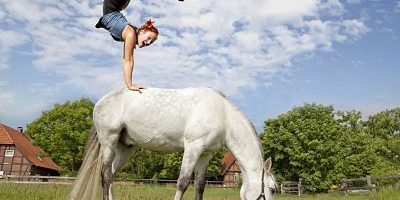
(332, 7)
(354, 28)
(229, 46)
(8, 40)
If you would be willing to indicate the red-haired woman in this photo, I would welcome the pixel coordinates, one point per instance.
(121, 30)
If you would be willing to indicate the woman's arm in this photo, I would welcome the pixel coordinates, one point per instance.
(128, 57)
(128, 62)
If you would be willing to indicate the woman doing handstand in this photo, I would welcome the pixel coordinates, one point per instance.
(121, 30)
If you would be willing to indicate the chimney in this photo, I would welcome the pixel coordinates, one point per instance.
(20, 129)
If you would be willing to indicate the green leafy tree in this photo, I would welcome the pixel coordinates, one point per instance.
(316, 144)
(154, 165)
(62, 132)
(385, 124)
(214, 167)
(173, 161)
(144, 164)
(385, 128)
(172, 166)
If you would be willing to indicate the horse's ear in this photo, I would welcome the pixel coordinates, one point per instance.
(268, 164)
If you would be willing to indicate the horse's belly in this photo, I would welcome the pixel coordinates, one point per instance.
(163, 144)
(155, 136)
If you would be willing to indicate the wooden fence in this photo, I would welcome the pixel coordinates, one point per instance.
(70, 180)
(292, 187)
(286, 187)
(369, 183)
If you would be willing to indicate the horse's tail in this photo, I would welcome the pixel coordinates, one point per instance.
(88, 182)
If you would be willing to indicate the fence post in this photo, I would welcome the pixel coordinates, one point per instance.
(282, 191)
(369, 182)
(343, 186)
(299, 187)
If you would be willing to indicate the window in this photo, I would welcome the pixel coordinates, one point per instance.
(9, 153)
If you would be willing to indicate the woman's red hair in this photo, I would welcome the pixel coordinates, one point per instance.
(148, 26)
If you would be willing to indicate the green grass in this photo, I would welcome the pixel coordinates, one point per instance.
(386, 194)
(14, 191)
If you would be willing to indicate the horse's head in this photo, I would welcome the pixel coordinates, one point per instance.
(262, 187)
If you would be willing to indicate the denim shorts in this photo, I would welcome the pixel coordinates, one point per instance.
(115, 23)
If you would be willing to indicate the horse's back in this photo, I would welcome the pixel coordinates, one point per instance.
(160, 117)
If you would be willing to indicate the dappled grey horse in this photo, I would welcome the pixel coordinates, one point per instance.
(195, 120)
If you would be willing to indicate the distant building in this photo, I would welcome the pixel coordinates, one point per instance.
(230, 171)
(18, 156)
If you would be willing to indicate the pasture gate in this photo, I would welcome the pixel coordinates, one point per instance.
(292, 187)
(369, 183)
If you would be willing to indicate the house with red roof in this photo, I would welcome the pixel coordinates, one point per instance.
(18, 156)
(230, 170)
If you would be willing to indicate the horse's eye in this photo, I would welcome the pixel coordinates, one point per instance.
(273, 190)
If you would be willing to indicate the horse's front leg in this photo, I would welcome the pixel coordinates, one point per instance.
(191, 155)
(200, 175)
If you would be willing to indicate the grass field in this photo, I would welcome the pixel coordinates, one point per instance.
(14, 191)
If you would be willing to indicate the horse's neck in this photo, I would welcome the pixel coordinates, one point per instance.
(242, 140)
(250, 161)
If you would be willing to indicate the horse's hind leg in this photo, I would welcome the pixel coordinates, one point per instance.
(191, 155)
(109, 143)
(121, 154)
(200, 171)
(115, 161)
(107, 176)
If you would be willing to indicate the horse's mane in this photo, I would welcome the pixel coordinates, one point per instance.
(237, 109)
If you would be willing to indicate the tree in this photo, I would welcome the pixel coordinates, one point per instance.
(144, 164)
(172, 166)
(385, 124)
(385, 128)
(62, 132)
(214, 167)
(315, 143)
(147, 164)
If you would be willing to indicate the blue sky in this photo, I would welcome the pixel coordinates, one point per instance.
(267, 56)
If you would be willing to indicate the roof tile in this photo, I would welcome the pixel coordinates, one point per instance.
(4, 137)
(227, 161)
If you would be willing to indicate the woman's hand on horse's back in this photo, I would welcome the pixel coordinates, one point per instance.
(136, 88)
